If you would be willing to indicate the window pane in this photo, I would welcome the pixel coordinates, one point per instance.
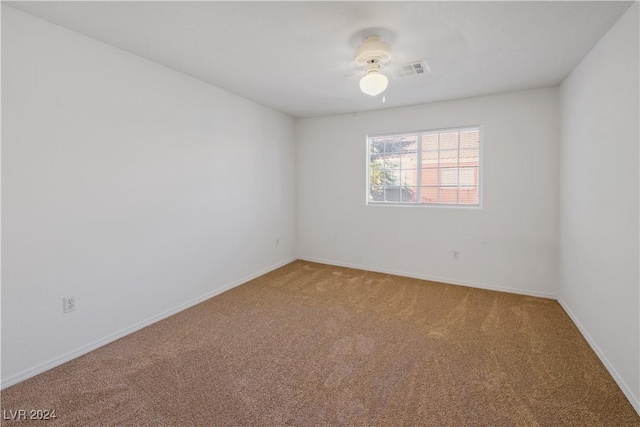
(429, 158)
(409, 177)
(448, 195)
(430, 142)
(469, 157)
(409, 160)
(392, 161)
(470, 139)
(468, 196)
(449, 141)
(392, 177)
(449, 176)
(391, 145)
(377, 145)
(374, 179)
(376, 193)
(429, 195)
(392, 194)
(449, 157)
(410, 144)
(409, 194)
(377, 159)
(430, 177)
(468, 176)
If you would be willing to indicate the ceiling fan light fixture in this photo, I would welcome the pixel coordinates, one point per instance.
(371, 54)
(373, 83)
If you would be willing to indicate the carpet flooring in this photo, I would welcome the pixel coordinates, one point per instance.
(314, 345)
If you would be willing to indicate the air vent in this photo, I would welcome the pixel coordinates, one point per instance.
(411, 69)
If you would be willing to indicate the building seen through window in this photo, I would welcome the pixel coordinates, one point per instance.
(432, 167)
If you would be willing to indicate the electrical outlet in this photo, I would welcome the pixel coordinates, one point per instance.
(455, 254)
(68, 304)
(277, 242)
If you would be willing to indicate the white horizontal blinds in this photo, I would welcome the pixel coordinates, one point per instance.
(450, 167)
(433, 167)
(469, 167)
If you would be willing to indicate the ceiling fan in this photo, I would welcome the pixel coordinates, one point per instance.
(372, 53)
(375, 56)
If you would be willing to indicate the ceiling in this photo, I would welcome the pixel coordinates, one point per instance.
(297, 57)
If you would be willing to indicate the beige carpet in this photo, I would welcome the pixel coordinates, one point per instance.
(313, 345)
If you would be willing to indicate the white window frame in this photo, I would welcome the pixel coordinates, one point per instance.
(370, 202)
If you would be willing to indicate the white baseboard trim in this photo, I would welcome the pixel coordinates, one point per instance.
(635, 402)
(38, 369)
(433, 278)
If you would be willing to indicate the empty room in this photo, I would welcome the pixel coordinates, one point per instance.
(320, 213)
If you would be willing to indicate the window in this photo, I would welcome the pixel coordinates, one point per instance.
(439, 167)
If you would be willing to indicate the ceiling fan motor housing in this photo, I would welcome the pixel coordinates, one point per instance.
(372, 52)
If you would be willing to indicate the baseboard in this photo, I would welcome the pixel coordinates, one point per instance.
(635, 402)
(433, 278)
(14, 379)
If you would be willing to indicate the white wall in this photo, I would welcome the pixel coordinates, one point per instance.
(510, 243)
(131, 186)
(599, 216)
